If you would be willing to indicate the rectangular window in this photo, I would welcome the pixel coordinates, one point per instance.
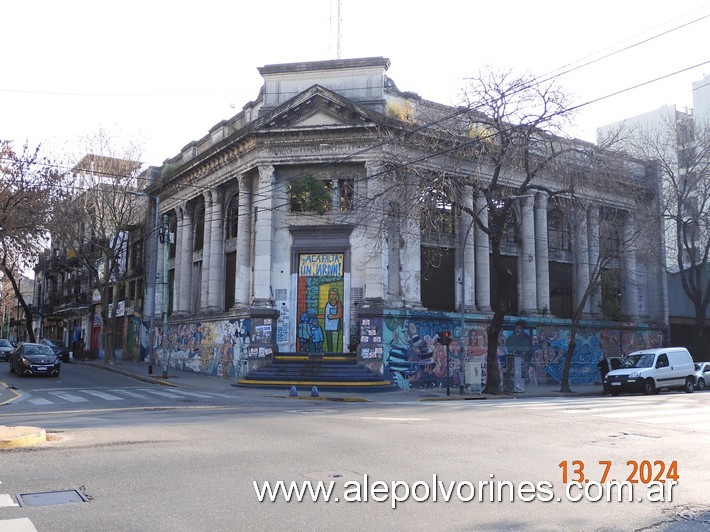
(314, 195)
(230, 280)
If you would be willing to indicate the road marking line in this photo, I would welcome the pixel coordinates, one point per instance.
(103, 395)
(23, 524)
(40, 401)
(70, 397)
(165, 394)
(6, 500)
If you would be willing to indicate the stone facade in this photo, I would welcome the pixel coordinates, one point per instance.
(272, 271)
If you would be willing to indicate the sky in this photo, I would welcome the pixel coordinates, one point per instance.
(160, 74)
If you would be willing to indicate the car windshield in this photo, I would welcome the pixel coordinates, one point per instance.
(37, 350)
(5, 343)
(54, 343)
(643, 360)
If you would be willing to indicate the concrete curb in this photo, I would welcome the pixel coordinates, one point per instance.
(11, 437)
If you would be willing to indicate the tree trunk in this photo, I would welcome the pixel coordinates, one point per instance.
(564, 385)
(493, 381)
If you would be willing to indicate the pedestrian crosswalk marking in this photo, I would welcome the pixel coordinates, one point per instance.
(678, 411)
(6, 500)
(166, 394)
(129, 393)
(23, 524)
(79, 395)
(40, 401)
(103, 395)
(70, 397)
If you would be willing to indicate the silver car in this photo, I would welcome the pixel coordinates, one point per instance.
(702, 375)
(5, 349)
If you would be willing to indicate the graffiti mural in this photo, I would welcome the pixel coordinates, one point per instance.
(320, 303)
(217, 348)
(529, 354)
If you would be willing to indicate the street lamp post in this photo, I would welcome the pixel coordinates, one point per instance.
(151, 331)
(154, 280)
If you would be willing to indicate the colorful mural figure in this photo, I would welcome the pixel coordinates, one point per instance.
(319, 305)
(333, 317)
(414, 357)
(215, 348)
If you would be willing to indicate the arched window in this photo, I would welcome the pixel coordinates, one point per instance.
(233, 217)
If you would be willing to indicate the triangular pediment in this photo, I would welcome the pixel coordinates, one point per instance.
(317, 107)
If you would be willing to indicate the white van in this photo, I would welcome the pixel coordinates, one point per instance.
(652, 369)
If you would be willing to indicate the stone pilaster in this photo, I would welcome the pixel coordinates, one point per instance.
(542, 255)
(483, 259)
(243, 281)
(263, 230)
(215, 300)
(528, 275)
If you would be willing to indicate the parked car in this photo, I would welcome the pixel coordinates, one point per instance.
(34, 359)
(58, 347)
(702, 375)
(6, 348)
(650, 370)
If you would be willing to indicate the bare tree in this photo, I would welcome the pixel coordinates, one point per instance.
(94, 224)
(518, 122)
(29, 189)
(681, 147)
(618, 218)
(505, 144)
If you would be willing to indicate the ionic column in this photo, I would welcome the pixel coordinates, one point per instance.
(581, 260)
(177, 280)
(263, 230)
(243, 281)
(206, 242)
(374, 286)
(631, 287)
(468, 275)
(528, 276)
(542, 258)
(215, 300)
(186, 261)
(595, 298)
(482, 252)
(411, 261)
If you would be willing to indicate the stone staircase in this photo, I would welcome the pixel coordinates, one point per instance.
(327, 371)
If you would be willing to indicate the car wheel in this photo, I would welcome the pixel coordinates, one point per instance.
(689, 385)
(649, 387)
(700, 384)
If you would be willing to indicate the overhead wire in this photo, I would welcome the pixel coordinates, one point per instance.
(266, 193)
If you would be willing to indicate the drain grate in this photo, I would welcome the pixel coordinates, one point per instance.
(49, 498)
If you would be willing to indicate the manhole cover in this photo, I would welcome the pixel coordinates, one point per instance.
(48, 498)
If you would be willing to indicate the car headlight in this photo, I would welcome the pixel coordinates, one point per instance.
(634, 375)
(24, 361)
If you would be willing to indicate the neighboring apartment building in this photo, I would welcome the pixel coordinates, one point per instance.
(678, 139)
(13, 325)
(68, 299)
(246, 268)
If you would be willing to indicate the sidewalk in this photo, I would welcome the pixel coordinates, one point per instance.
(139, 370)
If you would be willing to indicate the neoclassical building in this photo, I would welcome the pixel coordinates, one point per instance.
(282, 231)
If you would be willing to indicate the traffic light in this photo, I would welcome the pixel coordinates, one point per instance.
(445, 337)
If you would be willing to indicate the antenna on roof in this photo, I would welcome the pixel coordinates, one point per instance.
(338, 19)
